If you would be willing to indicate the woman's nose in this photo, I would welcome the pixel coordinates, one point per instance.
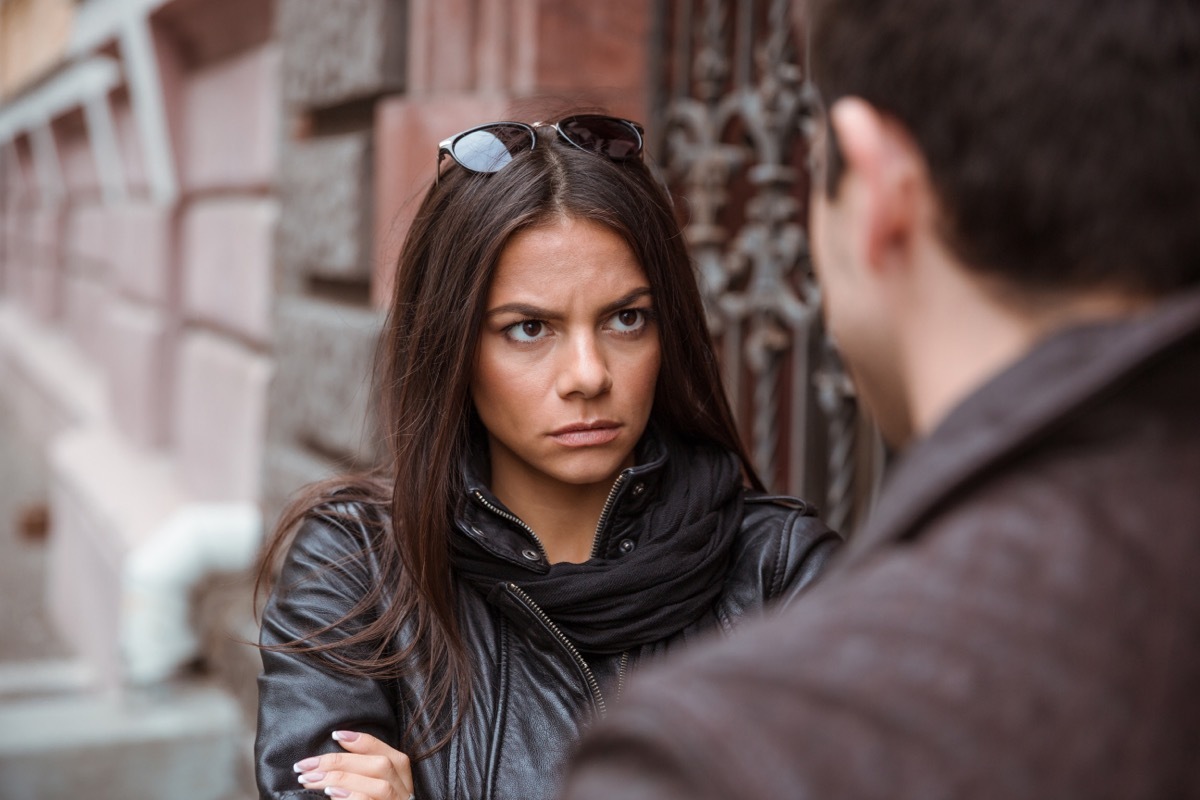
(584, 369)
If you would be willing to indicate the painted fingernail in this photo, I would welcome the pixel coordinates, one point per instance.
(334, 791)
(345, 736)
(312, 777)
(306, 764)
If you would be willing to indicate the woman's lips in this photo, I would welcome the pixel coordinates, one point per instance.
(587, 436)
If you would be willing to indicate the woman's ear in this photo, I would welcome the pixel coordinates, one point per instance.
(882, 173)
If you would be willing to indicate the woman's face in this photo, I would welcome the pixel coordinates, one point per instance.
(568, 357)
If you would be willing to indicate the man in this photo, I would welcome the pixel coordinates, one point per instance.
(1006, 223)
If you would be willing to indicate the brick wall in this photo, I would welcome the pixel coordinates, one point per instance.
(161, 309)
(338, 59)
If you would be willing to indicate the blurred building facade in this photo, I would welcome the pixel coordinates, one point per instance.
(201, 202)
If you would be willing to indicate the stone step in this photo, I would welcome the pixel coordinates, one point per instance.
(184, 741)
(51, 676)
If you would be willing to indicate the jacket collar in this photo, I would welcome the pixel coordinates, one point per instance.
(484, 518)
(1007, 415)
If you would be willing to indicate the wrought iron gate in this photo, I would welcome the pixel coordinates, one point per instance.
(733, 110)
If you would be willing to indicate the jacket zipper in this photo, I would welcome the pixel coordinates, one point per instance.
(608, 504)
(621, 673)
(515, 520)
(589, 676)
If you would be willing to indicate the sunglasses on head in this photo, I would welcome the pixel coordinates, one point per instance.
(489, 148)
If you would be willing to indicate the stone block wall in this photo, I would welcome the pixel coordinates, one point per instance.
(325, 229)
(335, 53)
(323, 363)
(338, 60)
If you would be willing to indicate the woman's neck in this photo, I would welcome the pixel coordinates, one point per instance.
(564, 516)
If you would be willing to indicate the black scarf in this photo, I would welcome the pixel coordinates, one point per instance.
(681, 538)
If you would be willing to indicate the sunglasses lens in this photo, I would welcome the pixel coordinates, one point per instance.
(606, 136)
(489, 149)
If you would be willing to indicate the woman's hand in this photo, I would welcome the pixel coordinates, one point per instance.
(370, 770)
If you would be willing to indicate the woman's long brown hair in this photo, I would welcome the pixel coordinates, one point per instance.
(426, 356)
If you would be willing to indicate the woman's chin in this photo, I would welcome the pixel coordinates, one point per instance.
(587, 469)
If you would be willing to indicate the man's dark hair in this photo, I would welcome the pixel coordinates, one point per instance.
(1062, 136)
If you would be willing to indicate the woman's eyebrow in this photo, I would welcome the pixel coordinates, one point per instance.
(537, 312)
(524, 309)
(641, 291)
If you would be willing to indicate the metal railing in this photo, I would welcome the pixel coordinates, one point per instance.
(734, 114)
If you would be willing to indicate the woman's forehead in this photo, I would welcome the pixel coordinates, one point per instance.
(568, 260)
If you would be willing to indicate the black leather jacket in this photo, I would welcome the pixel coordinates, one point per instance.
(534, 692)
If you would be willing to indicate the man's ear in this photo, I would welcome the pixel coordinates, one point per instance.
(882, 175)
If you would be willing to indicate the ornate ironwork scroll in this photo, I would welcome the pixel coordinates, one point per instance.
(734, 108)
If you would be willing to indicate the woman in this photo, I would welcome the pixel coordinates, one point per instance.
(566, 496)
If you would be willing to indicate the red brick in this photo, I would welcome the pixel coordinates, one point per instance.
(227, 264)
(493, 49)
(441, 46)
(141, 253)
(231, 123)
(5, 256)
(591, 53)
(406, 140)
(46, 290)
(24, 289)
(220, 419)
(47, 263)
(138, 360)
(46, 225)
(13, 283)
(87, 302)
(92, 235)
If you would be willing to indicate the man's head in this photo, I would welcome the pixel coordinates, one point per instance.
(1048, 150)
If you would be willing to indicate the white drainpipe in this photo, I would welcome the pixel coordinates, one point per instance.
(156, 629)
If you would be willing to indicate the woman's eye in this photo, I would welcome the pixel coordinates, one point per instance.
(629, 320)
(529, 330)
